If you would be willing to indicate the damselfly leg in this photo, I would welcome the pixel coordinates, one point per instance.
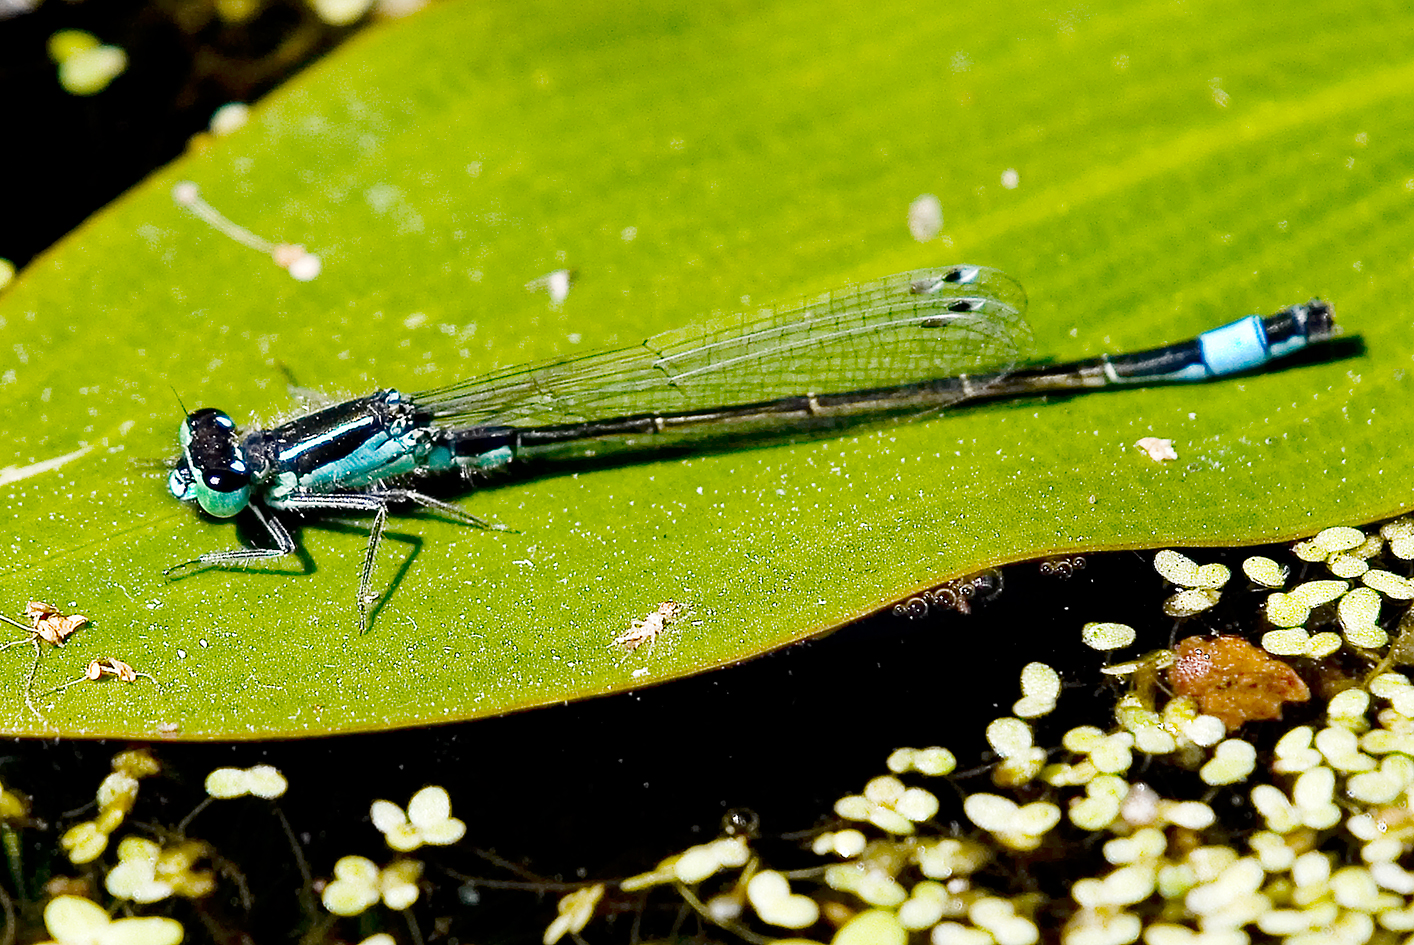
(377, 502)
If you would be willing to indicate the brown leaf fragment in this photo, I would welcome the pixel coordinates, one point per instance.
(1234, 680)
(111, 666)
(50, 625)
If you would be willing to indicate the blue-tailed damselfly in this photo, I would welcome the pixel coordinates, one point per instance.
(905, 344)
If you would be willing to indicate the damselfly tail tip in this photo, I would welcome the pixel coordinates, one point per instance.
(1319, 317)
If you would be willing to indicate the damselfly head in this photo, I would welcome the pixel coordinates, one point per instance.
(213, 468)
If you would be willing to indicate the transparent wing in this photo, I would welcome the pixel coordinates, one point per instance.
(901, 329)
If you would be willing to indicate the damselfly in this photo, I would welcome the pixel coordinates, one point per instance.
(904, 344)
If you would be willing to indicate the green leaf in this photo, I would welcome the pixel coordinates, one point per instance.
(688, 159)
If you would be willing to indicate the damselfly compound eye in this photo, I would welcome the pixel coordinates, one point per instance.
(215, 471)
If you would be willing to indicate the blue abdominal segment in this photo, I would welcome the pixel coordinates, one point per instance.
(1240, 346)
(1244, 345)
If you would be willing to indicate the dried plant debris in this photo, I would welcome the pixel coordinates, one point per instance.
(1158, 449)
(104, 666)
(1233, 680)
(648, 629)
(47, 623)
(292, 257)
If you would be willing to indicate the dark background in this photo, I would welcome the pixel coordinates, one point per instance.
(65, 156)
